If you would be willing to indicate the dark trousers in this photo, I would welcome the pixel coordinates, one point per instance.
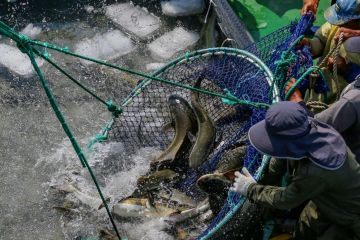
(313, 225)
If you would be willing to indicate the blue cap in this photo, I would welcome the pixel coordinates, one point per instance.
(288, 132)
(343, 11)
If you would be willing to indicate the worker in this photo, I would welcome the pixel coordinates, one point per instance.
(321, 170)
(345, 13)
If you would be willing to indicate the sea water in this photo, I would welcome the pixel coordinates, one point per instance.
(36, 155)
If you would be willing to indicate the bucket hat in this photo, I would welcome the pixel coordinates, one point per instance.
(343, 11)
(288, 132)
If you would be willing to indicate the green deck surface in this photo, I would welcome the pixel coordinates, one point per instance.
(262, 17)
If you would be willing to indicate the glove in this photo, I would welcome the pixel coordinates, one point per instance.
(242, 182)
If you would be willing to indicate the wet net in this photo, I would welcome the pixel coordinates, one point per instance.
(227, 72)
(224, 71)
(279, 52)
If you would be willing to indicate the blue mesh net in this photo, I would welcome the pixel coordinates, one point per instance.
(272, 51)
(224, 71)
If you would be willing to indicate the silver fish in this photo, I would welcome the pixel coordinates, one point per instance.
(87, 198)
(208, 33)
(205, 137)
(172, 195)
(154, 181)
(183, 121)
(146, 207)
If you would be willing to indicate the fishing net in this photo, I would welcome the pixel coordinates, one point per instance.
(280, 53)
(225, 71)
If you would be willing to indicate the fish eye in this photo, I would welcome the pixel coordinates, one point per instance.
(177, 101)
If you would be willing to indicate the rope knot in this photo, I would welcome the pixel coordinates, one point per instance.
(23, 43)
(115, 110)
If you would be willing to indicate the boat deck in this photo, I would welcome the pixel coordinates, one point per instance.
(263, 17)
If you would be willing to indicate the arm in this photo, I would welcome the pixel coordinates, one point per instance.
(275, 171)
(348, 33)
(300, 189)
(318, 42)
(341, 115)
(310, 6)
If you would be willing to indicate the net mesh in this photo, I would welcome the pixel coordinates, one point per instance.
(146, 111)
(272, 51)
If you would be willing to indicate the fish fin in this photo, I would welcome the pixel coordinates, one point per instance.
(151, 199)
(167, 127)
(102, 204)
(174, 214)
(61, 209)
(230, 175)
(67, 188)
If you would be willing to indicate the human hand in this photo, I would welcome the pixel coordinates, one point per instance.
(340, 64)
(347, 33)
(296, 96)
(303, 42)
(242, 182)
(309, 6)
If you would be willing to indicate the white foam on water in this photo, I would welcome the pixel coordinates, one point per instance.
(182, 7)
(172, 42)
(31, 31)
(122, 184)
(107, 46)
(89, 8)
(154, 66)
(133, 19)
(16, 61)
(151, 229)
(118, 185)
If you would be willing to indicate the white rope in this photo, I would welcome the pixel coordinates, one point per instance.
(227, 40)
(211, 2)
(335, 73)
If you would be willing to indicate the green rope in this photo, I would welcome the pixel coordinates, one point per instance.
(147, 76)
(308, 72)
(23, 41)
(282, 66)
(24, 44)
(101, 137)
(69, 133)
(110, 106)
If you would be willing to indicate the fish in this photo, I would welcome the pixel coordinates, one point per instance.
(208, 33)
(172, 209)
(232, 159)
(206, 133)
(217, 184)
(230, 114)
(174, 196)
(86, 198)
(183, 122)
(106, 234)
(190, 213)
(154, 181)
(143, 207)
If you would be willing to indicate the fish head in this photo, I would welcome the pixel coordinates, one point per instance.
(178, 104)
(180, 108)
